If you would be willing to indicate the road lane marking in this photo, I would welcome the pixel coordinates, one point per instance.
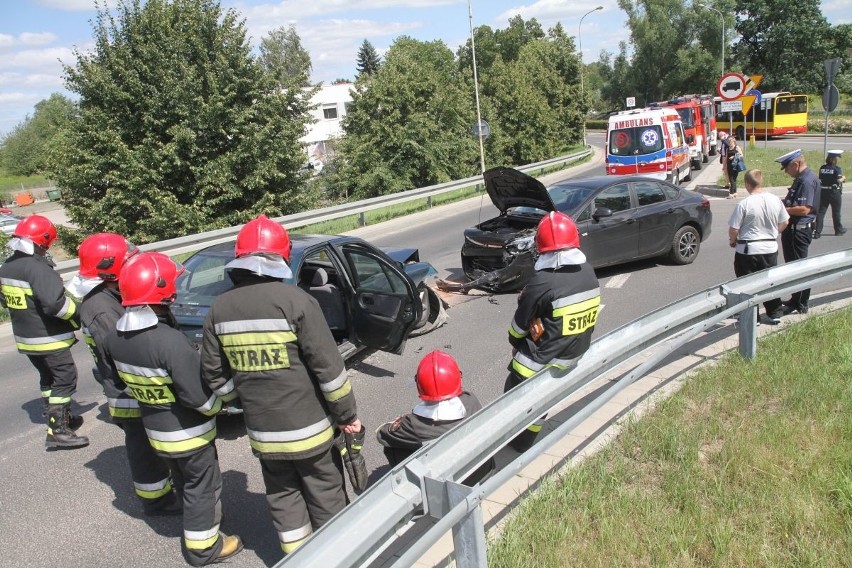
(617, 281)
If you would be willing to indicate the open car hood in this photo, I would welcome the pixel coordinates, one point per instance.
(509, 188)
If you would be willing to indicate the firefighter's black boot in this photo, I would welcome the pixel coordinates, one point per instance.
(73, 422)
(58, 432)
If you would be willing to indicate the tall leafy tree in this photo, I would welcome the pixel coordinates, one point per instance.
(368, 60)
(25, 148)
(284, 58)
(180, 130)
(786, 41)
(408, 126)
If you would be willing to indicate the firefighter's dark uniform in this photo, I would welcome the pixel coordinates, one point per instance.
(161, 369)
(831, 194)
(272, 341)
(99, 311)
(796, 238)
(43, 321)
(409, 432)
(566, 300)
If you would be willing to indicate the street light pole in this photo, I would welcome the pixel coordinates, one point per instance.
(722, 16)
(582, 71)
(476, 91)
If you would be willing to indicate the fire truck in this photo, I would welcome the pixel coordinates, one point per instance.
(698, 115)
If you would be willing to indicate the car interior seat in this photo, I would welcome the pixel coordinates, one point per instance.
(330, 299)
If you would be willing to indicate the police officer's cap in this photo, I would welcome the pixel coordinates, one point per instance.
(788, 157)
(835, 153)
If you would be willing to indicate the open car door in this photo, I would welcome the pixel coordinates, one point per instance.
(386, 305)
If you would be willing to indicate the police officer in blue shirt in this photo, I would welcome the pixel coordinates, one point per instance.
(802, 202)
(831, 178)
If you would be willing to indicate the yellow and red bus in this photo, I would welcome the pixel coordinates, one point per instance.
(776, 115)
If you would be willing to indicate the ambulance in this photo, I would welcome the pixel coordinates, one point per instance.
(648, 142)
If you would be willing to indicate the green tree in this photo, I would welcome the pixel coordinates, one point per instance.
(180, 130)
(368, 59)
(518, 34)
(408, 126)
(283, 57)
(786, 41)
(25, 148)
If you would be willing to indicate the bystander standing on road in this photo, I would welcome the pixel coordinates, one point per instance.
(734, 164)
(802, 203)
(753, 230)
(831, 179)
(723, 156)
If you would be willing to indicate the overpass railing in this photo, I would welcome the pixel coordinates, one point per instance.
(189, 243)
(424, 495)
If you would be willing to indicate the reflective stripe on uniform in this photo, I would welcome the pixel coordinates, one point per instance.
(336, 389)
(226, 392)
(256, 345)
(15, 293)
(145, 384)
(59, 400)
(526, 367)
(49, 343)
(69, 309)
(292, 441)
(153, 490)
(179, 441)
(516, 331)
(211, 407)
(201, 540)
(124, 407)
(579, 312)
(293, 539)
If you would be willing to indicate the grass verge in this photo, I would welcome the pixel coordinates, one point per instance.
(763, 159)
(750, 464)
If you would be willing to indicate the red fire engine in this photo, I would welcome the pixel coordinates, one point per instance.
(698, 115)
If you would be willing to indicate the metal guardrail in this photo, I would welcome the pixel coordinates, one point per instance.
(426, 487)
(68, 268)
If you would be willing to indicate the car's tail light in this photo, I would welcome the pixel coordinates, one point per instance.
(705, 203)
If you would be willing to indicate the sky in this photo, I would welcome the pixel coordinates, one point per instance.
(38, 36)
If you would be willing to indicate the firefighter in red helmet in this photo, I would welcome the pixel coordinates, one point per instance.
(443, 405)
(161, 368)
(557, 310)
(270, 341)
(102, 257)
(43, 321)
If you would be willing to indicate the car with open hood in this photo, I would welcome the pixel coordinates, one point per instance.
(620, 219)
(371, 298)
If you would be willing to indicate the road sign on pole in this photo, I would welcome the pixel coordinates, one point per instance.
(830, 97)
(731, 86)
(832, 66)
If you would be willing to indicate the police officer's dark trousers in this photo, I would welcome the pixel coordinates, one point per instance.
(57, 376)
(750, 263)
(197, 477)
(795, 241)
(830, 197)
(523, 441)
(303, 494)
(152, 479)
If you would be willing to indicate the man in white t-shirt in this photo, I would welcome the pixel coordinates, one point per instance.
(753, 231)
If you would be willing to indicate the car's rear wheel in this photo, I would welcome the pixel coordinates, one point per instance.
(685, 245)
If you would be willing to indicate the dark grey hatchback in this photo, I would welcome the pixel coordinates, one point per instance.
(620, 219)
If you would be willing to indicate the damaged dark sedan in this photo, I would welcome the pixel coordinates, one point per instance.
(620, 219)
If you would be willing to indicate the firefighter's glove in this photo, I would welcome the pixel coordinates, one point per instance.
(350, 450)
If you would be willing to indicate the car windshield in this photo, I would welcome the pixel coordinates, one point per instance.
(636, 140)
(686, 117)
(204, 278)
(569, 197)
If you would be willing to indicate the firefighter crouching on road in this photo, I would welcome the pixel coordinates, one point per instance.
(101, 258)
(43, 321)
(271, 341)
(161, 368)
(444, 404)
(557, 310)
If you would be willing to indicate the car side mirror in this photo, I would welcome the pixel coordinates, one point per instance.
(601, 212)
(690, 138)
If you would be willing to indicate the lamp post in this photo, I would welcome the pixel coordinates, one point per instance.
(476, 91)
(722, 16)
(582, 71)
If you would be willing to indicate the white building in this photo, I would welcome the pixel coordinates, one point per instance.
(331, 103)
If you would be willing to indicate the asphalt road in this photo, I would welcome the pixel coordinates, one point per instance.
(77, 508)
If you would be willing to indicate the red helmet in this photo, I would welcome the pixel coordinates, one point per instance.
(149, 278)
(438, 377)
(38, 229)
(103, 254)
(263, 235)
(556, 231)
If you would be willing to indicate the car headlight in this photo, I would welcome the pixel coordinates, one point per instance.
(522, 244)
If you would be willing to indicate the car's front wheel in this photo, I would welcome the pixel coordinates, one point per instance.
(685, 245)
(423, 293)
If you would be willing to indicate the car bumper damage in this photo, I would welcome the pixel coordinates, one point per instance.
(509, 278)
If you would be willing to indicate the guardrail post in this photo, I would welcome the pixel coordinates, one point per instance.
(362, 219)
(469, 533)
(748, 333)
(429, 202)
